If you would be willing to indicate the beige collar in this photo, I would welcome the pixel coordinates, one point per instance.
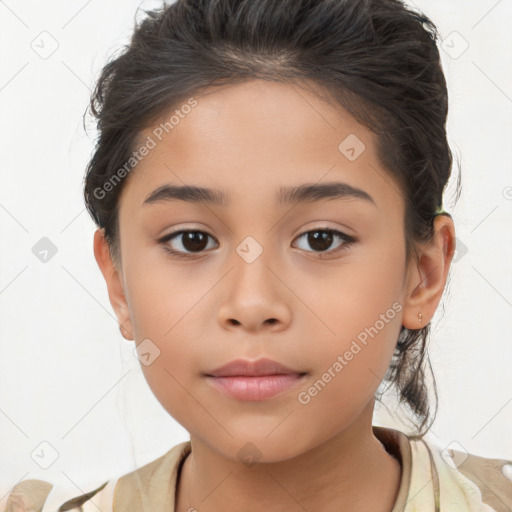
(430, 481)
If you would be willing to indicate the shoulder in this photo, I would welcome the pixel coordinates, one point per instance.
(33, 494)
(493, 477)
(483, 478)
(152, 486)
(126, 491)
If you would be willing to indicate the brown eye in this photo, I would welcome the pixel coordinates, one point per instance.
(186, 242)
(194, 241)
(320, 240)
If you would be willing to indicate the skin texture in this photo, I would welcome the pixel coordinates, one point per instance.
(295, 304)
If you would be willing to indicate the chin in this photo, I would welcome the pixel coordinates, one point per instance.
(250, 448)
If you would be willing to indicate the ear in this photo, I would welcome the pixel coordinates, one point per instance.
(427, 274)
(112, 276)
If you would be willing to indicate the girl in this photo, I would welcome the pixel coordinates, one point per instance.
(268, 188)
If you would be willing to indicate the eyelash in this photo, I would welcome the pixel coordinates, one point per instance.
(349, 241)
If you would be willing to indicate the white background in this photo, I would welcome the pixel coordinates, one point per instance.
(67, 377)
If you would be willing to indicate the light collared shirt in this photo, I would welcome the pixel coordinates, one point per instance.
(432, 480)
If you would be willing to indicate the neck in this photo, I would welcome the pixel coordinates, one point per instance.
(350, 471)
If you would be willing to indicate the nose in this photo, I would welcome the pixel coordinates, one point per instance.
(256, 297)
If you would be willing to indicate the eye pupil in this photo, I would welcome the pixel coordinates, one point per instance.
(194, 241)
(320, 240)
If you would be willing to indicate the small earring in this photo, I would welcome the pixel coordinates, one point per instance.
(123, 331)
(419, 318)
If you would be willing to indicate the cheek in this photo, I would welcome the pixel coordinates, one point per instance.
(360, 308)
(354, 295)
(350, 365)
(164, 296)
(159, 324)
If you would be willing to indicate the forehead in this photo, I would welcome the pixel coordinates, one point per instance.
(256, 112)
(257, 136)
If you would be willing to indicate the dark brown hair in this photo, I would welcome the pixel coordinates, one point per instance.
(376, 58)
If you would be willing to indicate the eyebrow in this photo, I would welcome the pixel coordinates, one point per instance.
(285, 195)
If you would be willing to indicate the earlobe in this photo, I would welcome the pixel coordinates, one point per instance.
(428, 275)
(114, 284)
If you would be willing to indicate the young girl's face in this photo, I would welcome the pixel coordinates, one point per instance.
(264, 279)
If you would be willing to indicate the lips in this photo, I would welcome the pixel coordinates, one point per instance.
(258, 368)
(254, 380)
